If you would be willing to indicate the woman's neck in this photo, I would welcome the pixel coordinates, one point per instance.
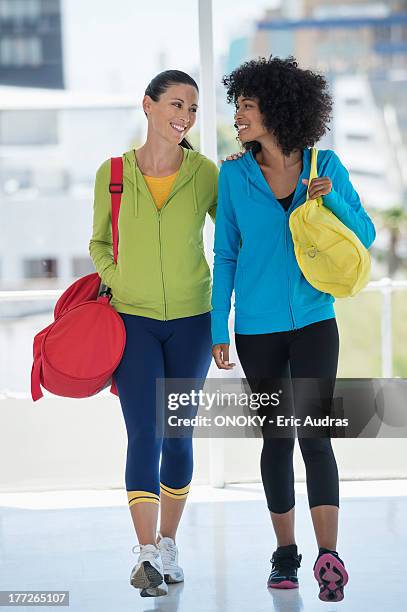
(271, 156)
(159, 159)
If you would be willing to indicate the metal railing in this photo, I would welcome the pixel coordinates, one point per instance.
(385, 286)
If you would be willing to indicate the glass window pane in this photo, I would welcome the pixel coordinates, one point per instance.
(28, 127)
(40, 268)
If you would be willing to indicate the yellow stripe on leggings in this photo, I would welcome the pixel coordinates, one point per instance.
(135, 497)
(175, 493)
(139, 500)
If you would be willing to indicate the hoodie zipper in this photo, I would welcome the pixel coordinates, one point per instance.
(286, 229)
(293, 326)
(158, 215)
(161, 263)
(158, 212)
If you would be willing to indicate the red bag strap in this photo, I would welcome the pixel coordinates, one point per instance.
(36, 370)
(116, 190)
(113, 388)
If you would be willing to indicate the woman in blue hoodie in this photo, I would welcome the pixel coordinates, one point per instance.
(285, 329)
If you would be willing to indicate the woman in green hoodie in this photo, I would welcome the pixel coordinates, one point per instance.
(161, 287)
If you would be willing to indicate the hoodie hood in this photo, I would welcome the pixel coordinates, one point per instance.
(187, 172)
(256, 180)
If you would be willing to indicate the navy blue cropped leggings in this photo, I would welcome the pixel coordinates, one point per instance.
(179, 348)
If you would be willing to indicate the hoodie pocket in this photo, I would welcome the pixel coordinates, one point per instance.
(239, 293)
(119, 290)
(108, 279)
(116, 285)
(259, 290)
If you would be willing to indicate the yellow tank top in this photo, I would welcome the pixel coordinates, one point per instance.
(160, 187)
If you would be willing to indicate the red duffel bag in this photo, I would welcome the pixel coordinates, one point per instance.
(78, 353)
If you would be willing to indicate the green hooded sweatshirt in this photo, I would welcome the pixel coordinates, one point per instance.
(161, 269)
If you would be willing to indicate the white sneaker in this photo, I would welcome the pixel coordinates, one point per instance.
(148, 573)
(169, 554)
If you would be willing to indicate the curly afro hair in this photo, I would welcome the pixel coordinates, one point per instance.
(294, 103)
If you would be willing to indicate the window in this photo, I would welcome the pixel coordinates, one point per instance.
(353, 101)
(20, 9)
(40, 268)
(6, 51)
(20, 51)
(358, 137)
(34, 51)
(365, 173)
(37, 127)
(82, 266)
(51, 7)
(12, 179)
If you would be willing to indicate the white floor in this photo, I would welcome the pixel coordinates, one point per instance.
(81, 541)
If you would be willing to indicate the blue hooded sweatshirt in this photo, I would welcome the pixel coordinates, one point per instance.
(254, 251)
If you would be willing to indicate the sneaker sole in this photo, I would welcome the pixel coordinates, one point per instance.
(172, 579)
(146, 577)
(284, 584)
(154, 592)
(331, 576)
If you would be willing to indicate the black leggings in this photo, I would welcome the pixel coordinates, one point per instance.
(298, 356)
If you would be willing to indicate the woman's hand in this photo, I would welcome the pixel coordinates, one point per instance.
(232, 156)
(220, 353)
(319, 186)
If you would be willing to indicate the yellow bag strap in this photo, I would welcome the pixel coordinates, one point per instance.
(313, 172)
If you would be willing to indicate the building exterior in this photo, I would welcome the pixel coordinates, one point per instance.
(51, 144)
(362, 137)
(361, 47)
(31, 43)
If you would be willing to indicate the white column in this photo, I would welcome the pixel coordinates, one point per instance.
(207, 104)
(207, 80)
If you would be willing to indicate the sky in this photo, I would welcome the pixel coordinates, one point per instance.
(119, 46)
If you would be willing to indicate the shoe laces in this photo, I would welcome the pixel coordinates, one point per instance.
(139, 547)
(331, 552)
(168, 550)
(285, 562)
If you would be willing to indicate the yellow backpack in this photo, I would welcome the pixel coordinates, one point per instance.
(329, 254)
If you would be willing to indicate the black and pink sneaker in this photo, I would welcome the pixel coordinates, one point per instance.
(330, 572)
(285, 563)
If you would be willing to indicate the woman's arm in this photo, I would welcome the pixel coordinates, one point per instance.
(100, 245)
(214, 202)
(226, 249)
(344, 202)
(212, 209)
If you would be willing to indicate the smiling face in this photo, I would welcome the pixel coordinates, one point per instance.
(173, 115)
(248, 119)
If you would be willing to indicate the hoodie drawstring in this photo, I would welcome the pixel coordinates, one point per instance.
(194, 194)
(135, 194)
(135, 187)
(248, 185)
